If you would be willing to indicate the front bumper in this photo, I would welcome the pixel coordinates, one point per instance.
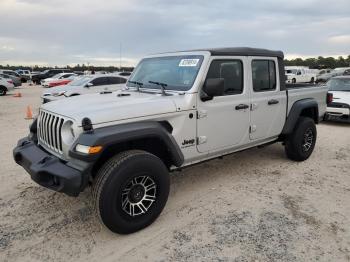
(334, 113)
(48, 170)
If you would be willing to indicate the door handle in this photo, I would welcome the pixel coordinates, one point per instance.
(241, 107)
(272, 102)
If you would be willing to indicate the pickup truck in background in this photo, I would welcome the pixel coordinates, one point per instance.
(178, 109)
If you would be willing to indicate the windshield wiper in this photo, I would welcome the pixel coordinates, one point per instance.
(138, 84)
(162, 86)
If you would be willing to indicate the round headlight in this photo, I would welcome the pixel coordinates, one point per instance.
(67, 132)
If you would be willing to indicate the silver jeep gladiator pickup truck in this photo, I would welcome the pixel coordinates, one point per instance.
(177, 109)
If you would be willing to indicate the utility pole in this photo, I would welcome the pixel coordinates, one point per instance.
(120, 57)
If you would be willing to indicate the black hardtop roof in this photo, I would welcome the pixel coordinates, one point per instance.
(239, 51)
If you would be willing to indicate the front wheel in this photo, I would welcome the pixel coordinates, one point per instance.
(130, 191)
(301, 143)
(294, 80)
(2, 91)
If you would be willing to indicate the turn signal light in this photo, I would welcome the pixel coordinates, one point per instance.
(88, 149)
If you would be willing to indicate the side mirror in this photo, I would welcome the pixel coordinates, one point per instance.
(213, 87)
(89, 84)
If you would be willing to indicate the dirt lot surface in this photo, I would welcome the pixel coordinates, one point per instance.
(251, 206)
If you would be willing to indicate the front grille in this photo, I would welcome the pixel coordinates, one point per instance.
(49, 131)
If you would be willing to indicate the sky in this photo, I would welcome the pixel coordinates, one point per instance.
(69, 32)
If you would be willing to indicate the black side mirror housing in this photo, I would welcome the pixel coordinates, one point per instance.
(213, 87)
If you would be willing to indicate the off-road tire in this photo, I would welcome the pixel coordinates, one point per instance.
(295, 142)
(3, 91)
(114, 176)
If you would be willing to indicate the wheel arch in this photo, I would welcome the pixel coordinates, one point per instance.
(305, 108)
(152, 137)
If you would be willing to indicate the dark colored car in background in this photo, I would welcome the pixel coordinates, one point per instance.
(48, 73)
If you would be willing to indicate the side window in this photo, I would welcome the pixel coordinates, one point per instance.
(100, 81)
(232, 73)
(114, 80)
(122, 80)
(264, 75)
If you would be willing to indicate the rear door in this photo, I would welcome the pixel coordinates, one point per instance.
(99, 84)
(116, 83)
(268, 102)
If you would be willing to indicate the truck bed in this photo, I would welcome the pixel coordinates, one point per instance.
(297, 92)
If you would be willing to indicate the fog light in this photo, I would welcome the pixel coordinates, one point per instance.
(88, 149)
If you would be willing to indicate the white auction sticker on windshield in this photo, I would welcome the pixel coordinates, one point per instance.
(189, 62)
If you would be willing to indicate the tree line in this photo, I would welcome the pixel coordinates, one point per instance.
(314, 63)
(320, 62)
(77, 67)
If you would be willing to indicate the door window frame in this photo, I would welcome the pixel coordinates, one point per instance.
(263, 58)
(242, 59)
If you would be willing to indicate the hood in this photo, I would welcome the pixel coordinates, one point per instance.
(102, 108)
(341, 97)
(69, 89)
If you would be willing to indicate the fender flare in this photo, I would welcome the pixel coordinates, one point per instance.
(295, 113)
(112, 135)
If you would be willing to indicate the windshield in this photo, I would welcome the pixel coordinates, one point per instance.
(291, 71)
(80, 81)
(177, 72)
(339, 84)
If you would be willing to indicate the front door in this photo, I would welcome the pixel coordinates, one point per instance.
(223, 122)
(268, 102)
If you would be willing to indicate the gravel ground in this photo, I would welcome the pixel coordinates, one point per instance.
(251, 206)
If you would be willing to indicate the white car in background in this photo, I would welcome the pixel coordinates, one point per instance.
(339, 108)
(45, 82)
(5, 86)
(300, 74)
(86, 85)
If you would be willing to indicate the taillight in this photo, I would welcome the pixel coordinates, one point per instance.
(329, 98)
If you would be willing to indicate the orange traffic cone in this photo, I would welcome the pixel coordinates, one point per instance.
(29, 114)
(18, 94)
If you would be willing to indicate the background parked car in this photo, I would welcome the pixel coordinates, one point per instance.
(85, 85)
(339, 108)
(297, 74)
(62, 82)
(45, 82)
(48, 73)
(16, 80)
(5, 86)
(335, 72)
(346, 72)
(123, 73)
(25, 75)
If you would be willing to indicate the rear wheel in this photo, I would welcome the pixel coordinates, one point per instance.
(294, 80)
(3, 91)
(301, 143)
(130, 191)
(312, 80)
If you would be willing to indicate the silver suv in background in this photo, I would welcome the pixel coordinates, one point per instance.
(5, 86)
